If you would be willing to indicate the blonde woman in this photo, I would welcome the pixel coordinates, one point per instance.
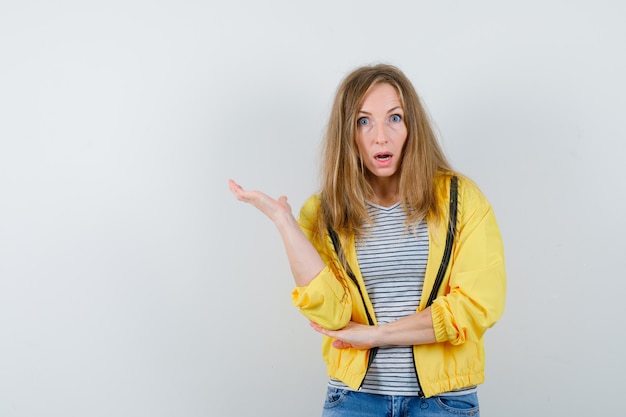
(398, 260)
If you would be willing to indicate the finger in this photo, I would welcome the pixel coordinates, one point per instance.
(235, 188)
(283, 202)
(340, 344)
(240, 193)
(321, 330)
(316, 327)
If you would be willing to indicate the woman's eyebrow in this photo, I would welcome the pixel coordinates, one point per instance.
(388, 111)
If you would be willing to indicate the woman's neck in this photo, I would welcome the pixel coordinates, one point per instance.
(386, 192)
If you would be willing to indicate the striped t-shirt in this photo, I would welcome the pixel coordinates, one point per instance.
(392, 261)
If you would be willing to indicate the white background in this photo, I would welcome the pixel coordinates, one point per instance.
(133, 284)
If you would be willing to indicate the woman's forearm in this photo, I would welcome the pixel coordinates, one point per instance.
(304, 260)
(416, 329)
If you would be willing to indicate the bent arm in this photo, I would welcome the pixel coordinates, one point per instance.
(477, 283)
(415, 329)
(320, 293)
(304, 260)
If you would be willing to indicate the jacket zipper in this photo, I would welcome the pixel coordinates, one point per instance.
(373, 351)
(417, 377)
(454, 191)
(339, 251)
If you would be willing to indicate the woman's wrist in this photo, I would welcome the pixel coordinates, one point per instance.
(381, 335)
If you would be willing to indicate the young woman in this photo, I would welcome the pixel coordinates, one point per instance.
(398, 261)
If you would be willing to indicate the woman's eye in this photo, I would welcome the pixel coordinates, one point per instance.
(396, 118)
(363, 121)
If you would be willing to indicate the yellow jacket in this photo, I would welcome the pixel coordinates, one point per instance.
(470, 299)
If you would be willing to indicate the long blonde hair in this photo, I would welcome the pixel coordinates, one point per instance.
(345, 186)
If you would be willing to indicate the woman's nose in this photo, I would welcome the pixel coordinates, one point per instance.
(380, 132)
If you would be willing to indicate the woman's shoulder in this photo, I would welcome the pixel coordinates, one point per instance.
(310, 209)
(468, 189)
(312, 204)
(444, 179)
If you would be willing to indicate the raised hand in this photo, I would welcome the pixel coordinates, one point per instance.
(304, 260)
(274, 209)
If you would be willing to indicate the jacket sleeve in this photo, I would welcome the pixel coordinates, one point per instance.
(326, 300)
(475, 294)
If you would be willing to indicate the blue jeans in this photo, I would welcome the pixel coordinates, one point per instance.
(346, 403)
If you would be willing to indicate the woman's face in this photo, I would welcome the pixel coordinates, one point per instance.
(381, 131)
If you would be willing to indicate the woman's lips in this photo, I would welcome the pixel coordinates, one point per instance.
(383, 159)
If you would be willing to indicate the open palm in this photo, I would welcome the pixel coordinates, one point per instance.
(272, 208)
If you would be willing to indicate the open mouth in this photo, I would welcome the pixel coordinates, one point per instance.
(382, 156)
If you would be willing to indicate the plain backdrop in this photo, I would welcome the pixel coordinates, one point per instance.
(133, 284)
